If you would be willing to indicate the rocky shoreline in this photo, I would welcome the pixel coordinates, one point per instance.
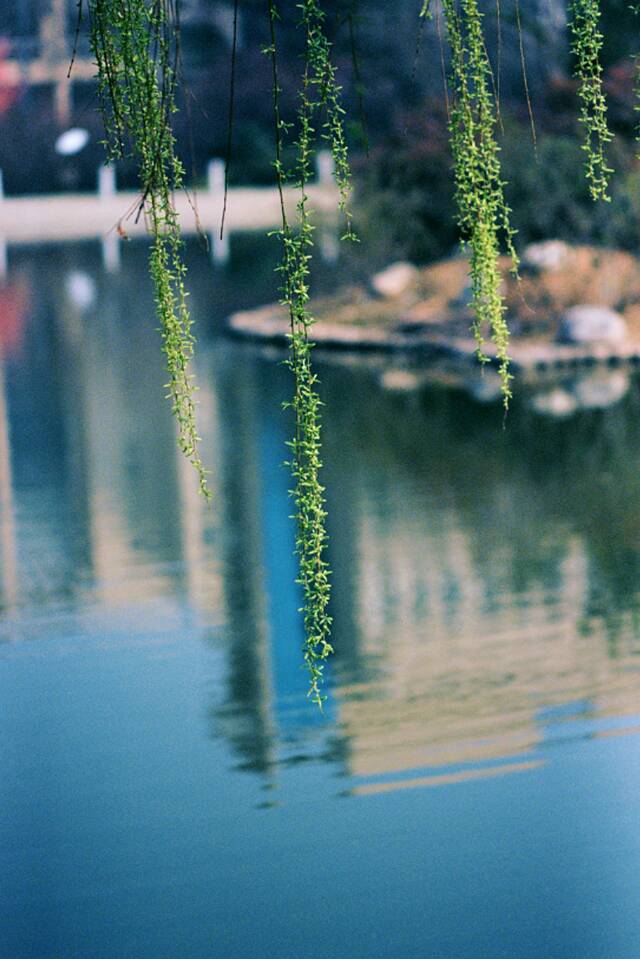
(574, 313)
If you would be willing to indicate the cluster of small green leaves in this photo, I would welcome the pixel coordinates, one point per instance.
(136, 47)
(321, 92)
(319, 102)
(586, 46)
(483, 215)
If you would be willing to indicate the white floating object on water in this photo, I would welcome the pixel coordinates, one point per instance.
(600, 389)
(400, 381)
(71, 141)
(487, 388)
(81, 289)
(556, 403)
(597, 390)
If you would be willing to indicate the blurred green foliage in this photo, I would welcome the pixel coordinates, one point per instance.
(405, 202)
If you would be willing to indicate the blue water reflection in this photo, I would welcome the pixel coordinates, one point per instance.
(470, 790)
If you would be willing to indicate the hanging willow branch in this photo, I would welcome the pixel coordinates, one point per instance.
(319, 103)
(483, 215)
(586, 46)
(136, 47)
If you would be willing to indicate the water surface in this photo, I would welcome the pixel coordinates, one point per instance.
(471, 787)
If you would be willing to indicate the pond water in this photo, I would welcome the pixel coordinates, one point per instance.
(167, 791)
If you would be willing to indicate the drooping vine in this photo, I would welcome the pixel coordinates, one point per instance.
(136, 47)
(319, 104)
(525, 77)
(586, 46)
(483, 214)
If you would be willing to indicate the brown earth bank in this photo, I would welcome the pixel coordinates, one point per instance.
(571, 311)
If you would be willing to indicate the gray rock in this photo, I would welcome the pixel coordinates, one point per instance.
(395, 280)
(591, 324)
(545, 257)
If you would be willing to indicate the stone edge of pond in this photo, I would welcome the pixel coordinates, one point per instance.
(529, 361)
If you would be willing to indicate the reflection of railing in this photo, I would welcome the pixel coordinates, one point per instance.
(24, 48)
(126, 521)
(30, 48)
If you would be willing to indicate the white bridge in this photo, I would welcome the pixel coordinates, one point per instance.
(111, 215)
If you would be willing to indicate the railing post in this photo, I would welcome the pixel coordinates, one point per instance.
(219, 245)
(111, 252)
(107, 187)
